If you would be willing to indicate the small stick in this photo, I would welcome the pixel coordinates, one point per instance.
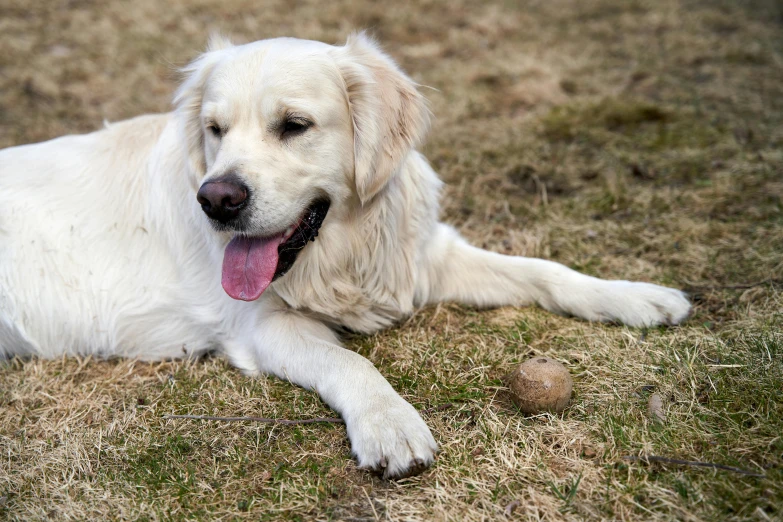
(442, 407)
(666, 460)
(742, 286)
(265, 420)
(256, 419)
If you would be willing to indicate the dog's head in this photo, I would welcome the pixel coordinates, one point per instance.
(281, 132)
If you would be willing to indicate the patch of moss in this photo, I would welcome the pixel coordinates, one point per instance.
(569, 122)
(691, 131)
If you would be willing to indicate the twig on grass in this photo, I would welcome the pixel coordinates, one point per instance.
(741, 286)
(665, 460)
(265, 420)
(441, 407)
(257, 419)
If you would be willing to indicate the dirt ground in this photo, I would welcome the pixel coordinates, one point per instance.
(627, 139)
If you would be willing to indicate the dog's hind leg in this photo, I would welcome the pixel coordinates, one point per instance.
(457, 271)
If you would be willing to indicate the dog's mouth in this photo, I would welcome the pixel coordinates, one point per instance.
(251, 264)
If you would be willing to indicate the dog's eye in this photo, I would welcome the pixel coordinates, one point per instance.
(215, 130)
(292, 127)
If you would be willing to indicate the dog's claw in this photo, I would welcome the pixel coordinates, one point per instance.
(416, 467)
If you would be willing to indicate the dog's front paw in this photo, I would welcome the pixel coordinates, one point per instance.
(642, 304)
(389, 437)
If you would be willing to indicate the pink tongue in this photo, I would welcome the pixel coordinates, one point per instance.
(249, 265)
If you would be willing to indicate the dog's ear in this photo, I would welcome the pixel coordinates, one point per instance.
(389, 115)
(189, 96)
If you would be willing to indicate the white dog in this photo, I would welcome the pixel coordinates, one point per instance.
(291, 165)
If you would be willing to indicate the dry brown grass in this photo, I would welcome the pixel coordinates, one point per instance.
(637, 140)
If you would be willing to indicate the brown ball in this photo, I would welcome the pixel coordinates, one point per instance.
(540, 384)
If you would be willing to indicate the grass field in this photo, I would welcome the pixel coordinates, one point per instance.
(627, 139)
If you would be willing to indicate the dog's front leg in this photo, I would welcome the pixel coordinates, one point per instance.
(387, 434)
(456, 271)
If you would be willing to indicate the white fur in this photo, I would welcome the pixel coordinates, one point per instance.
(104, 249)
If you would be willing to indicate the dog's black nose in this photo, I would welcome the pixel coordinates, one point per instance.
(222, 199)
